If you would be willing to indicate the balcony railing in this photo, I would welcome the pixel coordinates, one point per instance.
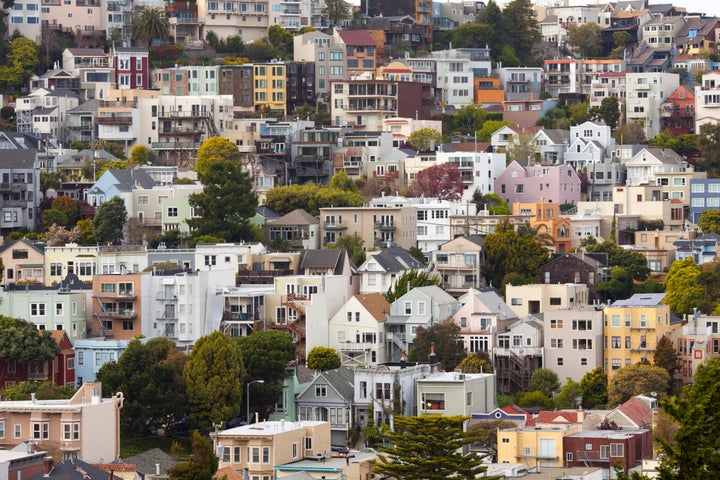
(355, 346)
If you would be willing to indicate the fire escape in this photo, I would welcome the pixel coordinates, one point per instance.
(513, 369)
(291, 319)
(114, 306)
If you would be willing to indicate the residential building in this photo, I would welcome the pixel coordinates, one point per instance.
(243, 308)
(328, 54)
(626, 448)
(697, 35)
(93, 67)
(633, 328)
(695, 343)
(553, 229)
(269, 87)
(118, 183)
(561, 76)
(521, 83)
(703, 196)
(535, 183)
(81, 123)
(298, 228)
(552, 144)
(707, 100)
(259, 447)
(329, 398)
(70, 258)
(664, 168)
(645, 94)
(300, 83)
(249, 20)
(24, 16)
(382, 268)
(592, 69)
(85, 426)
(662, 30)
(657, 246)
(19, 190)
(479, 167)
(59, 370)
(576, 268)
(433, 221)
(702, 248)
(517, 354)
(132, 69)
(573, 341)
(541, 297)
(45, 112)
(459, 262)
(91, 354)
(589, 143)
(312, 154)
(606, 85)
(360, 54)
(377, 226)
(481, 317)
(357, 330)
(18, 463)
(237, 80)
(116, 304)
(23, 260)
(677, 113)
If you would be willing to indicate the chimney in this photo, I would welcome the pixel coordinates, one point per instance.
(48, 464)
(32, 398)
(157, 469)
(432, 358)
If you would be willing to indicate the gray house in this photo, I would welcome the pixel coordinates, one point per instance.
(19, 189)
(329, 398)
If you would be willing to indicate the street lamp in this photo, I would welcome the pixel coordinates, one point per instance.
(247, 403)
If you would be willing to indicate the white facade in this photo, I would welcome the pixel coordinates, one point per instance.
(479, 170)
(645, 93)
(707, 100)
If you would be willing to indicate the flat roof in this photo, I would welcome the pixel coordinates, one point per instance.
(268, 428)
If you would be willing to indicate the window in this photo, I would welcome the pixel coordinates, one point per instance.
(615, 342)
(615, 321)
(80, 357)
(433, 401)
(556, 323)
(18, 431)
(582, 344)
(210, 260)
(37, 309)
(40, 430)
(2, 429)
(556, 343)
(308, 443)
(560, 362)
(582, 324)
(59, 307)
(504, 440)
(56, 269)
(71, 431)
(408, 308)
(321, 390)
(266, 455)
(516, 301)
(617, 450)
(236, 454)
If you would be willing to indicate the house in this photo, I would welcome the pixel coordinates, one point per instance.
(677, 113)
(518, 352)
(541, 297)
(118, 183)
(151, 464)
(132, 68)
(509, 413)
(635, 413)
(455, 393)
(536, 183)
(329, 398)
(707, 100)
(20, 188)
(552, 227)
(360, 50)
(257, 448)
(378, 389)
(328, 261)
(71, 258)
(117, 301)
(703, 196)
(381, 269)
(695, 342)
(459, 262)
(575, 268)
(482, 315)
(24, 261)
(298, 228)
(608, 448)
(91, 354)
(85, 426)
(22, 462)
(59, 370)
(378, 227)
(697, 35)
(666, 170)
(552, 144)
(420, 307)
(702, 248)
(573, 341)
(356, 331)
(645, 93)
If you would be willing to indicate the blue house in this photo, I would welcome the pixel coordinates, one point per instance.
(704, 195)
(90, 355)
(118, 183)
(702, 249)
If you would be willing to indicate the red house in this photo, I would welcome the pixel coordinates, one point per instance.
(677, 112)
(606, 448)
(131, 67)
(59, 370)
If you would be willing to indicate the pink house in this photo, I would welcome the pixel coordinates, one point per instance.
(538, 183)
(23, 260)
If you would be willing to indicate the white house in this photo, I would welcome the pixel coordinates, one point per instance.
(357, 330)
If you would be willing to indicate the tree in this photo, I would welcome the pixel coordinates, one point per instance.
(443, 181)
(519, 18)
(630, 134)
(150, 376)
(469, 119)
(142, 155)
(425, 139)
(619, 285)
(259, 51)
(471, 35)
(545, 381)
(202, 464)
(213, 376)
(637, 379)
(226, 203)
(336, 11)
(42, 391)
(708, 142)
(484, 134)
(666, 356)
(709, 221)
(414, 278)
(486, 431)
(68, 207)
(594, 389)
(507, 252)
(634, 262)
(50, 180)
(429, 448)
(109, 221)
(492, 16)
(683, 293)
(534, 401)
(86, 228)
(20, 63)
(266, 355)
(609, 112)
(21, 342)
(353, 244)
(215, 149)
(150, 24)
(692, 455)
(492, 202)
(539, 232)
(322, 359)
(445, 337)
(57, 235)
(281, 40)
(508, 57)
(478, 362)
(570, 395)
(586, 39)
(311, 197)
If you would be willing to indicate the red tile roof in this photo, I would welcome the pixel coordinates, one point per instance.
(356, 37)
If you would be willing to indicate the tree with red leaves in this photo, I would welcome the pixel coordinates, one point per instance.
(442, 181)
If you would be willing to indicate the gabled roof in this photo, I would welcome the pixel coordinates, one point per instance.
(128, 179)
(701, 26)
(375, 304)
(563, 417)
(89, 106)
(356, 37)
(471, 146)
(395, 260)
(581, 257)
(557, 135)
(296, 217)
(86, 52)
(74, 469)
(146, 461)
(635, 410)
(437, 294)
(267, 212)
(331, 258)
(38, 247)
(340, 379)
(19, 158)
(665, 155)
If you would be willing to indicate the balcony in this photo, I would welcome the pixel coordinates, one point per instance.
(13, 187)
(117, 314)
(175, 145)
(117, 104)
(181, 131)
(590, 456)
(387, 175)
(334, 226)
(385, 226)
(191, 114)
(166, 298)
(166, 316)
(229, 316)
(113, 120)
(355, 346)
(124, 295)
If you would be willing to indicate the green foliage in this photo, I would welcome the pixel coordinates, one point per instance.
(487, 431)
(619, 257)
(150, 24)
(215, 149)
(311, 197)
(507, 252)
(151, 377)
(485, 132)
(508, 57)
(425, 139)
(259, 51)
(281, 40)
(69, 208)
(202, 465)
(534, 401)
(519, 18)
(478, 362)
(317, 113)
(570, 395)
(586, 39)
(709, 221)
(322, 359)
(226, 203)
(708, 142)
(232, 44)
(630, 133)
(637, 379)
(683, 292)
(445, 336)
(86, 228)
(414, 278)
(503, 399)
(545, 381)
(336, 11)
(665, 356)
(429, 448)
(619, 285)
(213, 376)
(468, 119)
(109, 221)
(49, 180)
(609, 112)
(692, 455)
(354, 246)
(417, 254)
(142, 155)
(492, 16)
(472, 35)
(23, 343)
(492, 202)
(20, 64)
(594, 389)
(42, 391)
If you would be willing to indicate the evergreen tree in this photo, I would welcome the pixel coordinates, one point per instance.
(109, 221)
(666, 356)
(594, 389)
(322, 359)
(429, 448)
(413, 278)
(202, 464)
(445, 336)
(637, 379)
(519, 18)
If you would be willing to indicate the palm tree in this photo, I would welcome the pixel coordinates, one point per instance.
(539, 232)
(150, 23)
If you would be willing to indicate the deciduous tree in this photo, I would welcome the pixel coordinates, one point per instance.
(545, 381)
(109, 221)
(507, 252)
(336, 11)
(215, 149)
(142, 155)
(469, 119)
(424, 139)
(414, 278)
(666, 356)
(586, 39)
(485, 132)
(323, 358)
(445, 336)
(486, 431)
(637, 379)
(429, 448)
(443, 181)
(709, 221)
(478, 362)
(20, 63)
(683, 293)
(282, 40)
(570, 395)
(353, 244)
(23, 343)
(492, 202)
(213, 376)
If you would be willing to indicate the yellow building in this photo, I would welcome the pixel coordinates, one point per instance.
(71, 258)
(632, 329)
(534, 446)
(269, 86)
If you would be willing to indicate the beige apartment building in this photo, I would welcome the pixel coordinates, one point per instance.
(377, 226)
(543, 297)
(87, 426)
(116, 305)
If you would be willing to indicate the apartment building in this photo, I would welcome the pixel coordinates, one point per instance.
(19, 189)
(707, 100)
(357, 330)
(677, 113)
(117, 301)
(573, 341)
(23, 260)
(328, 54)
(538, 183)
(478, 167)
(481, 317)
(455, 393)
(360, 51)
(561, 76)
(591, 70)
(269, 87)
(543, 297)
(377, 226)
(645, 93)
(459, 262)
(695, 343)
